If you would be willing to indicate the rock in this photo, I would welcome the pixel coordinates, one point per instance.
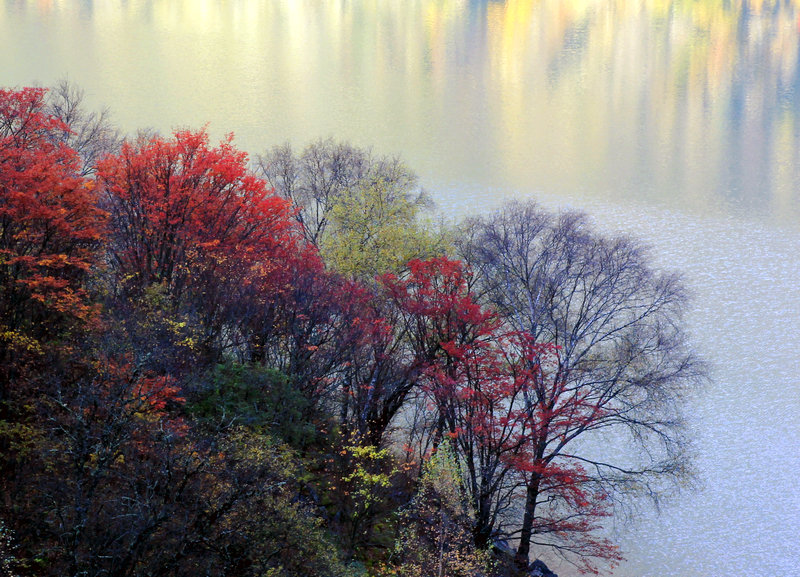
(502, 547)
(539, 569)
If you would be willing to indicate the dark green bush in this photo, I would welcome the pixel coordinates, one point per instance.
(265, 400)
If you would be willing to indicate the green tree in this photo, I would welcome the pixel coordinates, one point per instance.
(376, 227)
(261, 399)
(265, 528)
(360, 481)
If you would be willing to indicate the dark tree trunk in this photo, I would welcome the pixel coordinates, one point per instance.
(526, 531)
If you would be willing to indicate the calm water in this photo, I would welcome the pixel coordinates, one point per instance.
(676, 121)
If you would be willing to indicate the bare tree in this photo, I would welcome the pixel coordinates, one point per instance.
(92, 134)
(623, 363)
(318, 177)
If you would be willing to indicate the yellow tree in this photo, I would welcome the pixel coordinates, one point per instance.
(376, 227)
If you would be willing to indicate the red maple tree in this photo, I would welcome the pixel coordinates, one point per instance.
(51, 228)
(193, 219)
(496, 394)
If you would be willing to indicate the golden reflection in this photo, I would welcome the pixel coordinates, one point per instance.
(554, 60)
(672, 98)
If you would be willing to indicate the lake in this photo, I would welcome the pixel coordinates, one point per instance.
(676, 121)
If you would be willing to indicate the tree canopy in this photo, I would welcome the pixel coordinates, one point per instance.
(218, 368)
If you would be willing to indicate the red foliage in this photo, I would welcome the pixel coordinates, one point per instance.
(437, 290)
(50, 225)
(184, 211)
(498, 397)
(191, 218)
(124, 394)
(310, 323)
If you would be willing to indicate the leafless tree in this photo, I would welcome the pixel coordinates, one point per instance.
(618, 325)
(316, 178)
(92, 134)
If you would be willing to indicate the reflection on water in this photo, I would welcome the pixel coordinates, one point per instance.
(677, 120)
(689, 104)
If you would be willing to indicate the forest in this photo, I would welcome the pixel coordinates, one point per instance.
(286, 365)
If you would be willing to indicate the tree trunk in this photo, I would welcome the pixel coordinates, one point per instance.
(531, 497)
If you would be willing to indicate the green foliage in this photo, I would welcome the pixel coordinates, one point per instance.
(372, 471)
(283, 537)
(255, 397)
(441, 478)
(376, 228)
(359, 485)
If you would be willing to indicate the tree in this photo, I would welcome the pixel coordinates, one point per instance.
(472, 378)
(233, 395)
(51, 229)
(325, 170)
(90, 134)
(363, 212)
(564, 505)
(192, 218)
(378, 377)
(122, 481)
(436, 528)
(91, 488)
(375, 228)
(437, 314)
(364, 478)
(389, 360)
(622, 369)
(312, 327)
(253, 519)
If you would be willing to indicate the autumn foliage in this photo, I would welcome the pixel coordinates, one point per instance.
(497, 402)
(51, 228)
(188, 386)
(182, 209)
